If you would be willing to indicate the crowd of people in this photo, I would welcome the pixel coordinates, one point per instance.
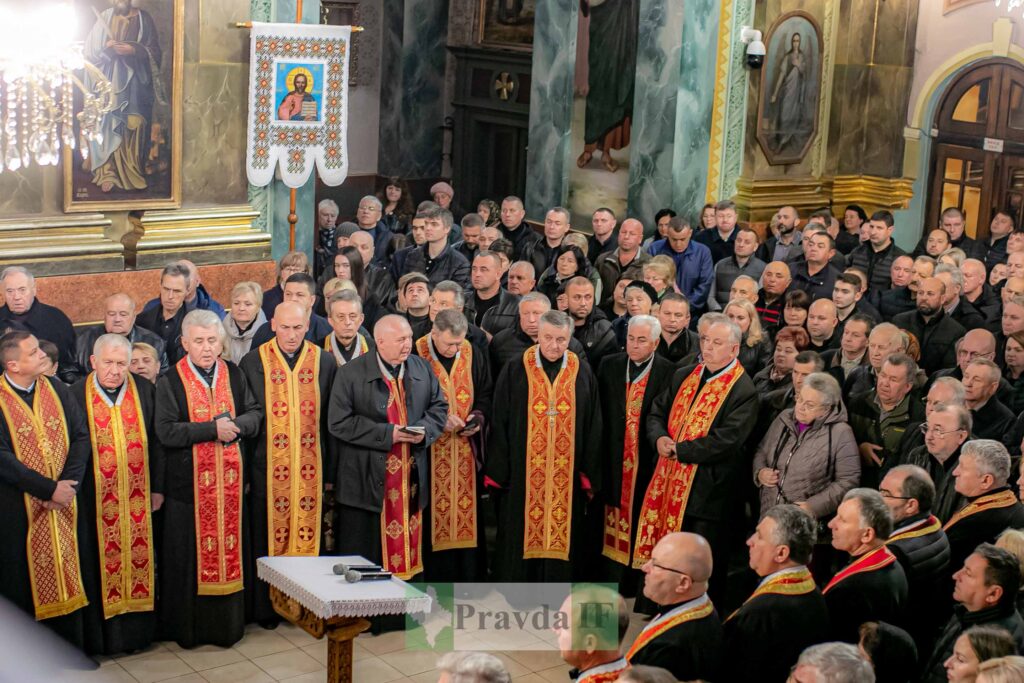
(460, 397)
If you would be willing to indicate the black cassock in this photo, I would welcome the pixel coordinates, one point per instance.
(185, 616)
(464, 564)
(260, 608)
(15, 481)
(132, 630)
(506, 464)
(611, 383)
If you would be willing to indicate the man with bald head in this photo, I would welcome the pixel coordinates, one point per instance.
(625, 261)
(775, 281)
(291, 378)
(544, 460)
(821, 325)
(118, 318)
(898, 300)
(380, 286)
(686, 637)
(935, 331)
(386, 410)
(976, 288)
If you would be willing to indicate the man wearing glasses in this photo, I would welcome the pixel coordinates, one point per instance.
(686, 638)
(920, 545)
(368, 219)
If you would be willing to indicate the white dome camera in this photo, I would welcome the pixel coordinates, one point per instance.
(755, 48)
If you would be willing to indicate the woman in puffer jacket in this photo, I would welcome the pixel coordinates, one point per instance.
(809, 456)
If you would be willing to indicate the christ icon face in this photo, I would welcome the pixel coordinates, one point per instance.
(300, 83)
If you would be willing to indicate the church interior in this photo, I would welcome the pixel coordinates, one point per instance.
(905, 106)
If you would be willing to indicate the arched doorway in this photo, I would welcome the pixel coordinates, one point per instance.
(978, 158)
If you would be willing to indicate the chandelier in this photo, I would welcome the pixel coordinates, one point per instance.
(41, 76)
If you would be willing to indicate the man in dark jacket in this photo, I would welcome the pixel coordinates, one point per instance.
(510, 343)
(516, 229)
(368, 219)
(382, 472)
(380, 287)
(936, 332)
(118, 318)
(816, 275)
(986, 586)
(677, 339)
(920, 545)
(436, 259)
(991, 418)
(721, 239)
(625, 261)
(875, 256)
(489, 306)
(23, 311)
(954, 302)
(954, 223)
(592, 328)
(165, 320)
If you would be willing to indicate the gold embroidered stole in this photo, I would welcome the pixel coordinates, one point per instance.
(605, 673)
(124, 526)
(40, 439)
(926, 526)
(294, 462)
(690, 418)
(401, 531)
(618, 521)
(1002, 499)
(329, 345)
(798, 582)
(217, 486)
(550, 455)
(659, 626)
(876, 559)
(452, 464)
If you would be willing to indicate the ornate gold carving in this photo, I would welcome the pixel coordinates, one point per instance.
(872, 191)
(718, 111)
(758, 200)
(61, 245)
(209, 235)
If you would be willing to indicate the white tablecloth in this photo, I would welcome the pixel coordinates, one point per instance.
(312, 582)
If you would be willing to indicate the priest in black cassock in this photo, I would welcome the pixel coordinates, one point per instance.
(628, 383)
(453, 525)
(544, 460)
(37, 410)
(786, 613)
(287, 474)
(124, 482)
(204, 408)
(386, 410)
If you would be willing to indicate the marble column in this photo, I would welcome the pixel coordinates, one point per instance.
(652, 139)
(694, 106)
(554, 66)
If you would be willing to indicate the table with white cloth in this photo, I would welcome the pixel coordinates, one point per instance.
(307, 592)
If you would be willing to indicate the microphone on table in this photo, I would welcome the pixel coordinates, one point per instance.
(353, 576)
(341, 568)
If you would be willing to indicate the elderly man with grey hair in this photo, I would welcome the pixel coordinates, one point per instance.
(22, 310)
(204, 411)
(472, 667)
(982, 478)
(368, 218)
(118, 318)
(832, 663)
(544, 460)
(699, 436)
(508, 344)
(873, 587)
(626, 380)
(117, 402)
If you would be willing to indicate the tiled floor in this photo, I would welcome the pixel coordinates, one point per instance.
(290, 654)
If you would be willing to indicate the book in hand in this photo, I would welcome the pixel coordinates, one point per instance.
(413, 429)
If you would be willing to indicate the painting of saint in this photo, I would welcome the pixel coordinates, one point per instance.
(299, 101)
(136, 44)
(790, 89)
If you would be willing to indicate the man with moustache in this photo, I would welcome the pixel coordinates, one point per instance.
(935, 331)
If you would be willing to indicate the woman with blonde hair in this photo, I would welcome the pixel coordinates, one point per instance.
(1002, 670)
(660, 273)
(755, 348)
(1013, 541)
(245, 317)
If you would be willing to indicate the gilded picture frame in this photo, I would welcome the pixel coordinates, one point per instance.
(507, 24)
(139, 45)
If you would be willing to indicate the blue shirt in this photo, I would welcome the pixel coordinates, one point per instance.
(694, 270)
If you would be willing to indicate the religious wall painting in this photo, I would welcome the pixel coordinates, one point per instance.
(138, 45)
(507, 23)
(787, 112)
(603, 94)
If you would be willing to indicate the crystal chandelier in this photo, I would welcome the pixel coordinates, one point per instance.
(41, 75)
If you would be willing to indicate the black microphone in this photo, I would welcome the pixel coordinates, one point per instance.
(352, 576)
(341, 568)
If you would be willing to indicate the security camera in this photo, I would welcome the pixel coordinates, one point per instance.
(755, 48)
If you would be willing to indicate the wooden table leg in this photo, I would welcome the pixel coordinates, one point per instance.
(339, 648)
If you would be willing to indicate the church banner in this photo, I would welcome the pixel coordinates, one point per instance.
(298, 103)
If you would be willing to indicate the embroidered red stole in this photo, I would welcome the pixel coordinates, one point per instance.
(124, 528)
(605, 673)
(1002, 499)
(797, 582)
(659, 626)
(401, 532)
(921, 528)
(40, 439)
(331, 346)
(294, 463)
(618, 521)
(217, 486)
(452, 464)
(550, 454)
(876, 559)
(690, 418)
